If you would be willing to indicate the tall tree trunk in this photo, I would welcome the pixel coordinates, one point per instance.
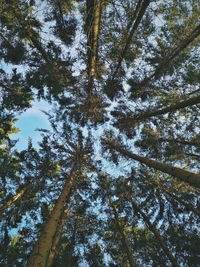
(182, 175)
(58, 233)
(56, 240)
(130, 120)
(93, 22)
(13, 199)
(139, 13)
(153, 229)
(39, 256)
(182, 104)
(124, 238)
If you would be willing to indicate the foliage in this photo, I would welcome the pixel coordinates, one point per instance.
(122, 78)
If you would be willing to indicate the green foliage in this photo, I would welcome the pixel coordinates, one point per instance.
(45, 54)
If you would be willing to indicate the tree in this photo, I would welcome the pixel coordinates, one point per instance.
(191, 178)
(114, 72)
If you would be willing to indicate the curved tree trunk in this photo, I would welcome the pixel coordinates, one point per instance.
(153, 229)
(39, 255)
(192, 179)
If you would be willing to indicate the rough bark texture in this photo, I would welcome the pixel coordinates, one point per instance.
(56, 239)
(40, 253)
(159, 238)
(192, 179)
(93, 21)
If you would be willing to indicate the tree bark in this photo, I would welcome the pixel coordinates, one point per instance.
(93, 21)
(192, 179)
(13, 199)
(56, 240)
(57, 236)
(153, 229)
(39, 256)
(182, 104)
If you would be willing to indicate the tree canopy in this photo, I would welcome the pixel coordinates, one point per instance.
(115, 180)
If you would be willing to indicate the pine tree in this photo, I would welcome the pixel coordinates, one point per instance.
(114, 72)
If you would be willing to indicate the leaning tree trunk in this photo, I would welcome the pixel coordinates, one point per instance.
(124, 238)
(156, 233)
(56, 240)
(13, 199)
(130, 121)
(182, 104)
(58, 233)
(139, 13)
(192, 179)
(168, 60)
(39, 255)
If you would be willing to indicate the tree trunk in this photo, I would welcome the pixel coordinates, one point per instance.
(57, 236)
(183, 104)
(56, 240)
(39, 256)
(123, 236)
(93, 21)
(182, 175)
(167, 61)
(139, 13)
(153, 229)
(13, 199)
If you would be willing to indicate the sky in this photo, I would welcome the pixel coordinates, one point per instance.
(28, 123)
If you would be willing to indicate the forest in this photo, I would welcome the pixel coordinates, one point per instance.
(115, 180)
